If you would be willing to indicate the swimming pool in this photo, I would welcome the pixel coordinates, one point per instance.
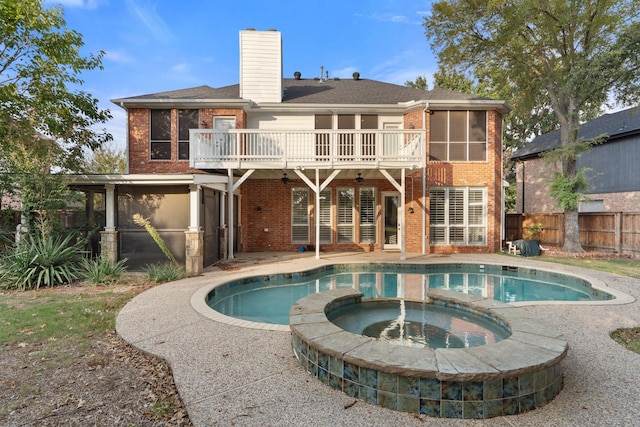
(268, 298)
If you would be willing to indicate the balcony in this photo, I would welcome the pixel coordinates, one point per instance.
(322, 149)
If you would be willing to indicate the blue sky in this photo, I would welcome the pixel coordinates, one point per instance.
(158, 45)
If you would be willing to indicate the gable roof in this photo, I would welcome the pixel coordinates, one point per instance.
(613, 125)
(315, 91)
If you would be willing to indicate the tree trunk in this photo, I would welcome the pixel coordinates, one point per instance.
(571, 232)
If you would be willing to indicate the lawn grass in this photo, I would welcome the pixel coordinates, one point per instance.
(624, 267)
(46, 316)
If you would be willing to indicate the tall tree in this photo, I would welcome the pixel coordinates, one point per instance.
(106, 160)
(419, 83)
(46, 122)
(568, 56)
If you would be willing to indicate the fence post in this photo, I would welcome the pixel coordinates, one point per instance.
(618, 232)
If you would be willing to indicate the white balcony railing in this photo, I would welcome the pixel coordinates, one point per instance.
(324, 149)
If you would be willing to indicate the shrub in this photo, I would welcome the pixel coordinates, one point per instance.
(39, 261)
(166, 272)
(101, 271)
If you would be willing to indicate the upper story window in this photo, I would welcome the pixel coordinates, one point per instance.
(458, 136)
(187, 119)
(161, 134)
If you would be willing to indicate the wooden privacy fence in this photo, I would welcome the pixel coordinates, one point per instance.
(605, 232)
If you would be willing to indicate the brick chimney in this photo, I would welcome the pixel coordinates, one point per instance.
(261, 66)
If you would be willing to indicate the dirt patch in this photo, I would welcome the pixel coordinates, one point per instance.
(101, 381)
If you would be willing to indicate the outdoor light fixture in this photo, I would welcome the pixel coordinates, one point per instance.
(359, 178)
(285, 178)
(204, 124)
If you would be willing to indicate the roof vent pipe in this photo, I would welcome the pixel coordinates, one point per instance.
(297, 75)
(356, 76)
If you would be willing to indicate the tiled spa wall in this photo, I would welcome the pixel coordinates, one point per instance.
(431, 396)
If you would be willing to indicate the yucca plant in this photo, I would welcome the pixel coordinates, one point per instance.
(101, 271)
(166, 272)
(143, 222)
(40, 261)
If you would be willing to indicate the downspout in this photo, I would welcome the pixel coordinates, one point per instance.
(424, 180)
(502, 182)
(523, 187)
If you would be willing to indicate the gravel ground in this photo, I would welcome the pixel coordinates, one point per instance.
(229, 375)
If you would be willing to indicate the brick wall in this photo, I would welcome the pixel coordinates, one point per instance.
(139, 139)
(266, 203)
(483, 174)
(267, 206)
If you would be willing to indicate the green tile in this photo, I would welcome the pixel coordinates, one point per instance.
(409, 386)
(430, 407)
(473, 410)
(409, 404)
(369, 377)
(492, 389)
(451, 409)
(388, 382)
(387, 399)
(430, 388)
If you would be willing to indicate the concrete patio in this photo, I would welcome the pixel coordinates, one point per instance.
(233, 375)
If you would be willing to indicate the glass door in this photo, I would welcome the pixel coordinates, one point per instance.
(390, 212)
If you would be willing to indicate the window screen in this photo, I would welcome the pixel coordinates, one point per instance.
(161, 134)
(187, 119)
(458, 136)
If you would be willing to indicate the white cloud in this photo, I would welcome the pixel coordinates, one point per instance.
(344, 73)
(150, 18)
(118, 56)
(389, 17)
(180, 68)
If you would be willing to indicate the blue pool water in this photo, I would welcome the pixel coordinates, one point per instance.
(416, 324)
(268, 299)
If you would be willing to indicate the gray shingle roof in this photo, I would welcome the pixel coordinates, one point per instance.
(312, 91)
(614, 125)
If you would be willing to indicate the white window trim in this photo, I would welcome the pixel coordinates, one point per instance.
(341, 225)
(293, 223)
(465, 225)
(374, 224)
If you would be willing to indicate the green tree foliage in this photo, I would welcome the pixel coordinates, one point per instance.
(106, 160)
(565, 57)
(419, 83)
(44, 118)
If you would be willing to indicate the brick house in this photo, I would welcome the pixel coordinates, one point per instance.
(614, 184)
(283, 164)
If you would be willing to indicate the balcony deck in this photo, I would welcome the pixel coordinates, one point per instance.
(321, 149)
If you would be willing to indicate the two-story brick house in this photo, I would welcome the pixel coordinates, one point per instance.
(313, 163)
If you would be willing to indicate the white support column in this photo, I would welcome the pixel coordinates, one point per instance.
(230, 212)
(423, 211)
(110, 207)
(403, 255)
(194, 207)
(401, 189)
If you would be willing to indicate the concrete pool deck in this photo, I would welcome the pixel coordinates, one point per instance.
(233, 375)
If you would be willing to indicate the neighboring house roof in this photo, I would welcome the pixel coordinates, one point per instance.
(316, 91)
(612, 125)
